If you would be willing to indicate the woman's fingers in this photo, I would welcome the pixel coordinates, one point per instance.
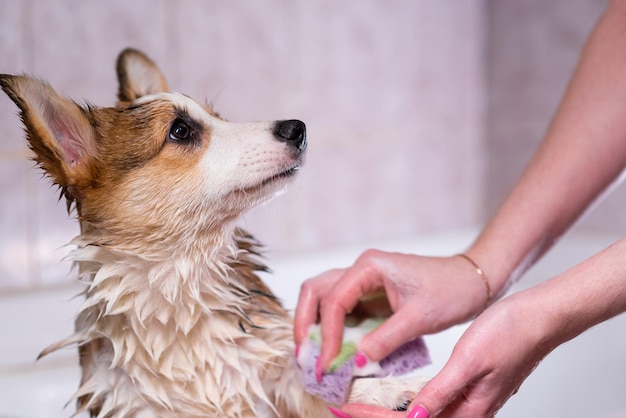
(440, 392)
(363, 278)
(329, 297)
(312, 292)
(399, 328)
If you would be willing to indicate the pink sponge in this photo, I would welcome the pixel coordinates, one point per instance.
(335, 385)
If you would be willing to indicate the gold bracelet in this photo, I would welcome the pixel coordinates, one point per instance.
(482, 275)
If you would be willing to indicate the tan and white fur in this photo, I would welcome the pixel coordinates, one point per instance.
(175, 322)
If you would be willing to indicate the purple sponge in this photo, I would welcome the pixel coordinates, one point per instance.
(335, 385)
(406, 358)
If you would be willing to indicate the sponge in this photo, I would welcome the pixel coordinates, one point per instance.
(334, 386)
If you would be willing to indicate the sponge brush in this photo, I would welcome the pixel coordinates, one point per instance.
(334, 386)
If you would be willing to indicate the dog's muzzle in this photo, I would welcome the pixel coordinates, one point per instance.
(292, 132)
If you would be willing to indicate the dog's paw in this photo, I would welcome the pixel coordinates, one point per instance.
(395, 392)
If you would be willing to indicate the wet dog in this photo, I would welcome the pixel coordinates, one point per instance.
(176, 321)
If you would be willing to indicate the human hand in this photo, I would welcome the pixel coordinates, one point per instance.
(426, 295)
(489, 363)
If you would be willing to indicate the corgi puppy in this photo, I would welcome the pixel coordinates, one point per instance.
(175, 321)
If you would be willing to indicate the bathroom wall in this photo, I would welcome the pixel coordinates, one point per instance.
(392, 93)
(420, 114)
(533, 47)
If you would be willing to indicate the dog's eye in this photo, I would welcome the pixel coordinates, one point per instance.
(180, 131)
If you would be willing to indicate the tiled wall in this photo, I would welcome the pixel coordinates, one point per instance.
(533, 48)
(394, 94)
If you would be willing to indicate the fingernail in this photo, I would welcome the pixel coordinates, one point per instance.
(297, 350)
(419, 412)
(318, 369)
(338, 413)
(360, 360)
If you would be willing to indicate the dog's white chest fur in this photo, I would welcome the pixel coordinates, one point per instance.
(171, 339)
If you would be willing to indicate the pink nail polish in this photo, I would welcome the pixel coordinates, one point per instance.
(338, 413)
(318, 369)
(419, 412)
(360, 360)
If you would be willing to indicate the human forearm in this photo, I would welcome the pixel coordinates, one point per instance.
(505, 344)
(583, 152)
(587, 294)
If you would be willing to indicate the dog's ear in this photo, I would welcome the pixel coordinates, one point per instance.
(138, 76)
(58, 130)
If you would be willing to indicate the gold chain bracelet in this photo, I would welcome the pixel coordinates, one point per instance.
(482, 275)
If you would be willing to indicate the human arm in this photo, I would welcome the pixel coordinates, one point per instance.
(583, 152)
(504, 344)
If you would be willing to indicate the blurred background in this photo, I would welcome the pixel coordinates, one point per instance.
(420, 114)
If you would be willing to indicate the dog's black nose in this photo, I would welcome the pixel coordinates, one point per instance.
(292, 132)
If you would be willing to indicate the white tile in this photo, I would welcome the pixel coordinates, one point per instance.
(12, 42)
(241, 57)
(79, 59)
(43, 393)
(55, 229)
(31, 321)
(16, 233)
